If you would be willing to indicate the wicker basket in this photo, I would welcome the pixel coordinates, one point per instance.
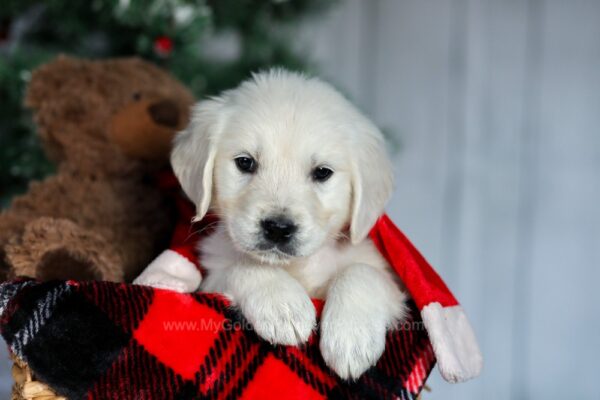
(26, 387)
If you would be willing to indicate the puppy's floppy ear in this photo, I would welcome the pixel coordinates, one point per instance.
(194, 151)
(372, 180)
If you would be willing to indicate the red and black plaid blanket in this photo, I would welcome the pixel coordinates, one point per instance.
(99, 340)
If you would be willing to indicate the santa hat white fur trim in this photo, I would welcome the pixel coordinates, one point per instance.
(171, 270)
(453, 341)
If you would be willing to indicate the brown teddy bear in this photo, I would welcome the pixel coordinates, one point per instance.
(108, 125)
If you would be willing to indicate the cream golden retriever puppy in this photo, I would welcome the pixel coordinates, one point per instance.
(298, 176)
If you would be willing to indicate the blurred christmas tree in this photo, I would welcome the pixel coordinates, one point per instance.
(209, 44)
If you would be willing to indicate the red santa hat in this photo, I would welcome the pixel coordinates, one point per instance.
(449, 330)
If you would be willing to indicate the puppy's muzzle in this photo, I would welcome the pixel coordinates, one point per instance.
(278, 230)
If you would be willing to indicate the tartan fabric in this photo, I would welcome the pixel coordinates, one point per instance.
(100, 340)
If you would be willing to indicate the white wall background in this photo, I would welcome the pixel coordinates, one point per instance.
(496, 105)
(5, 373)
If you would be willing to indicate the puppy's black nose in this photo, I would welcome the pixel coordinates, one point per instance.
(278, 230)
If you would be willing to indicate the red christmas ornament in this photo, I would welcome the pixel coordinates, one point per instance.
(163, 46)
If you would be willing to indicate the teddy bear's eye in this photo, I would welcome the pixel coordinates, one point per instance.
(137, 96)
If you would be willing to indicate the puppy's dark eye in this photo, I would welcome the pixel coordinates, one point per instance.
(321, 174)
(246, 164)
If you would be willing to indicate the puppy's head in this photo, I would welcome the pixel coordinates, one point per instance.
(286, 162)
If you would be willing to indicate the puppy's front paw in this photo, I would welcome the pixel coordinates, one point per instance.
(350, 347)
(281, 314)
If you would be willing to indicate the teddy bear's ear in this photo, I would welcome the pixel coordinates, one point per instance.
(47, 96)
(194, 152)
(48, 80)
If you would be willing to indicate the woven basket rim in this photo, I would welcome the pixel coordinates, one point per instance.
(26, 387)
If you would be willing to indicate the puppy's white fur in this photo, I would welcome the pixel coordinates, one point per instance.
(291, 124)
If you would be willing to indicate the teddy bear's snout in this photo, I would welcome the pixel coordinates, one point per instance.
(165, 112)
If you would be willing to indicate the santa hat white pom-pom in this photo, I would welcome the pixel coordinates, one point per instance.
(453, 341)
